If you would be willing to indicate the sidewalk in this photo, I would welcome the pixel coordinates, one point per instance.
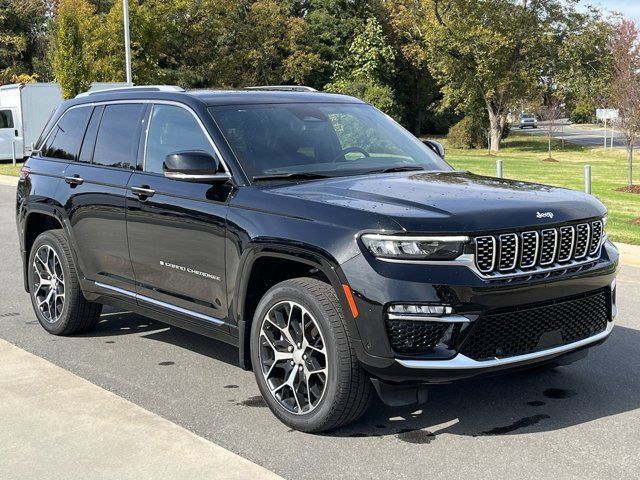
(55, 425)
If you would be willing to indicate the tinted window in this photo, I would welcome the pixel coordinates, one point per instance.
(66, 137)
(6, 119)
(172, 129)
(329, 139)
(118, 135)
(90, 136)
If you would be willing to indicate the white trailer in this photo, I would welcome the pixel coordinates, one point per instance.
(24, 111)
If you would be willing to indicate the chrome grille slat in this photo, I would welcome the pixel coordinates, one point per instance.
(538, 251)
(508, 252)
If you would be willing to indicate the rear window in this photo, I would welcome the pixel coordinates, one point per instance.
(66, 137)
(118, 135)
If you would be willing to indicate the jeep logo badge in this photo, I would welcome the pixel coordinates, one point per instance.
(544, 214)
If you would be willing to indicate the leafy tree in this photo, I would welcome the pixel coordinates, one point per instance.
(368, 68)
(626, 87)
(490, 51)
(23, 37)
(69, 65)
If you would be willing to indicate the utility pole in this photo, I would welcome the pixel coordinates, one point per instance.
(127, 40)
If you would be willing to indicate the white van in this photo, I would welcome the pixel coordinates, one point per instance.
(24, 111)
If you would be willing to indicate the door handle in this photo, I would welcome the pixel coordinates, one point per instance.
(143, 192)
(74, 180)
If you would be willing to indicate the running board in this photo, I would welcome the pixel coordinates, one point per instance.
(158, 303)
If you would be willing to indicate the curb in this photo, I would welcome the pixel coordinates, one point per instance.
(97, 434)
(8, 180)
(629, 254)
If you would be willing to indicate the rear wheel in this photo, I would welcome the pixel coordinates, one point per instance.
(54, 288)
(302, 358)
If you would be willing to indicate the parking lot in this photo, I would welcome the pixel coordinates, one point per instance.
(580, 421)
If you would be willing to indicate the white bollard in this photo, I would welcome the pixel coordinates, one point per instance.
(499, 168)
(13, 152)
(587, 179)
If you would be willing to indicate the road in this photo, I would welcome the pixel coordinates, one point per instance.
(587, 137)
(577, 421)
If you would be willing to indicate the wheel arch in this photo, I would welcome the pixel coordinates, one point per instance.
(291, 262)
(37, 221)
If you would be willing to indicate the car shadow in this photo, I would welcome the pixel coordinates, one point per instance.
(603, 384)
(115, 322)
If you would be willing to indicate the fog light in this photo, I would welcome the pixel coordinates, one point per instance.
(433, 310)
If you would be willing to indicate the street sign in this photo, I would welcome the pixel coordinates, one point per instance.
(606, 113)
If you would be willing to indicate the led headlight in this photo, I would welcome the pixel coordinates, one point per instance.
(414, 248)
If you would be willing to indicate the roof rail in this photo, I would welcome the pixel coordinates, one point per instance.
(139, 88)
(283, 88)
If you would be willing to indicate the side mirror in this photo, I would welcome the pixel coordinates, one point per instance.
(193, 166)
(437, 147)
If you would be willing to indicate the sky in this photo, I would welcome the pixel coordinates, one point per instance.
(629, 8)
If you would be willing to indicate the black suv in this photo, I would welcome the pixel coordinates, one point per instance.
(338, 252)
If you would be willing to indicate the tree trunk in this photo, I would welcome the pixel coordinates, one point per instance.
(549, 142)
(495, 132)
(630, 164)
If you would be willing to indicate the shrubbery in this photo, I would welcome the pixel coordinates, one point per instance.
(583, 113)
(467, 133)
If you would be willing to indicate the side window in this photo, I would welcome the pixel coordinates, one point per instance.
(172, 129)
(6, 119)
(66, 137)
(118, 135)
(86, 152)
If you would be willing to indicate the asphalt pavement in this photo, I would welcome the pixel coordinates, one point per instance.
(579, 421)
(586, 137)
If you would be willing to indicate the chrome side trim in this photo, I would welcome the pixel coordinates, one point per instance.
(463, 362)
(427, 318)
(158, 303)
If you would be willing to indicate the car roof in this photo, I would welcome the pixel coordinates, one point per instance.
(220, 97)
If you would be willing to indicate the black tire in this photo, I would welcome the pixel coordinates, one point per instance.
(348, 389)
(76, 313)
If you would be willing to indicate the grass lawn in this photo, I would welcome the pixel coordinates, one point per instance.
(7, 168)
(522, 157)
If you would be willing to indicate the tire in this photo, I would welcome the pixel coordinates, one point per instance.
(71, 313)
(346, 390)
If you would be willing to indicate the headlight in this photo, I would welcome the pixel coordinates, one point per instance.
(414, 248)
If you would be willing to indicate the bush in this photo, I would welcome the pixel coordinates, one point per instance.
(467, 133)
(583, 113)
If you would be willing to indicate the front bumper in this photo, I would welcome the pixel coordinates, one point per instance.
(376, 284)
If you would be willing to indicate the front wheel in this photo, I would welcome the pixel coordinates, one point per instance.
(303, 359)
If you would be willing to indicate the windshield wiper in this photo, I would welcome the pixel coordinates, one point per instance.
(291, 176)
(406, 168)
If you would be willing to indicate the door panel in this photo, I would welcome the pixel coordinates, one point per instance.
(176, 229)
(176, 243)
(9, 135)
(97, 183)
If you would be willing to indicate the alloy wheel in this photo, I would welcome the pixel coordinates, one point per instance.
(293, 357)
(48, 282)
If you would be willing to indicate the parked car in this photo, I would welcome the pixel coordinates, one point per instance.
(528, 120)
(24, 111)
(340, 254)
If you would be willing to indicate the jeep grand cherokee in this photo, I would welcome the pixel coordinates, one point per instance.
(340, 254)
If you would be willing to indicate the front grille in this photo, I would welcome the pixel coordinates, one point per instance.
(531, 329)
(414, 336)
(538, 250)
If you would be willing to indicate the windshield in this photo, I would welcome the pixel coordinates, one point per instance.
(323, 139)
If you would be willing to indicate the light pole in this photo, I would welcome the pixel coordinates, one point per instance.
(127, 40)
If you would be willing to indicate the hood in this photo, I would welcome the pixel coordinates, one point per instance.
(458, 202)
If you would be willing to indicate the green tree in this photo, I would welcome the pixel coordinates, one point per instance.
(490, 52)
(69, 66)
(368, 69)
(23, 38)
